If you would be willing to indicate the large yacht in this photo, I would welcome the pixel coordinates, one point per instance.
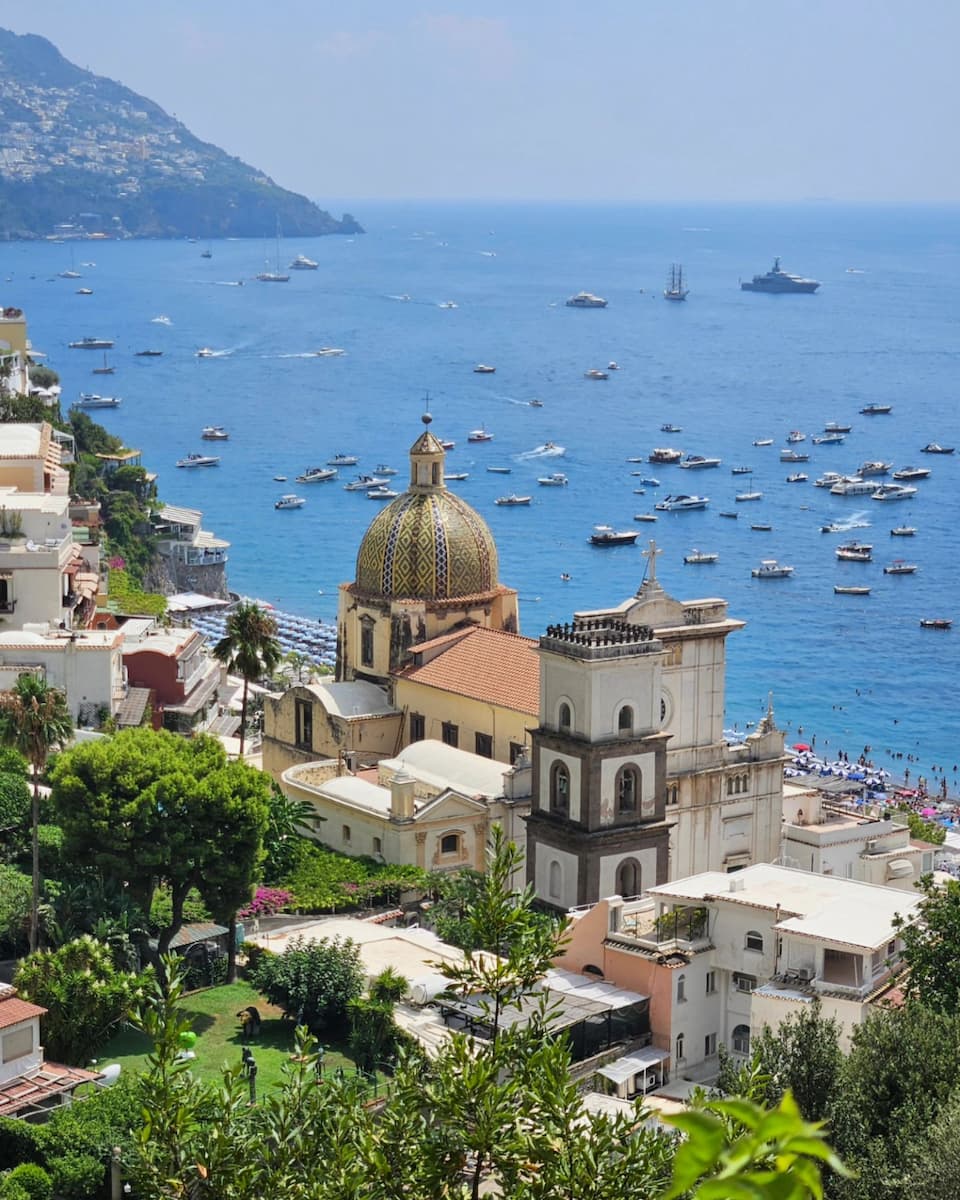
(777, 280)
(302, 263)
(699, 462)
(586, 300)
(91, 343)
(681, 503)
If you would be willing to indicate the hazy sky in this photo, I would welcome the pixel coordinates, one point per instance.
(548, 99)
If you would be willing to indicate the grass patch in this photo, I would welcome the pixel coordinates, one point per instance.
(213, 1018)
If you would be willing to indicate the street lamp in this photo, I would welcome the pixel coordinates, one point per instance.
(318, 1065)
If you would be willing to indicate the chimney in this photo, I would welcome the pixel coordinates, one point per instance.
(401, 797)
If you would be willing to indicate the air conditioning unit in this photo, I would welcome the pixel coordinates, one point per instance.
(871, 846)
(805, 974)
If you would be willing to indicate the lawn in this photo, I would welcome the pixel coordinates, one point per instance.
(213, 1017)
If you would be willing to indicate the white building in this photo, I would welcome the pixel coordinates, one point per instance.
(86, 664)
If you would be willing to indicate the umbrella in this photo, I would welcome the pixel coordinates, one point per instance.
(928, 812)
(856, 775)
(800, 746)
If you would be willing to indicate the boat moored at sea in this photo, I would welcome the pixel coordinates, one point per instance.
(302, 263)
(382, 493)
(595, 373)
(936, 623)
(771, 569)
(908, 473)
(875, 467)
(744, 496)
(557, 479)
(894, 491)
(479, 435)
(699, 462)
(290, 501)
(190, 461)
(484, 369)
(343, 460)
(829, 439)
(854, 552)
(903, 531)
(763, 441)
(797, 477)
(682, 503)
(664, 454)
(91, 343)
(701, 556)
(876, 410)
(779, 282)
(853, 485)
(606, 535)
(936, 448)
(850, 591)
(794, 456)
(676, 288)
(586, 300)
(317, 475)
(512, 501)
(363, 483)
(92, 400)
(900, 567)
(836, 427)
(214, 433)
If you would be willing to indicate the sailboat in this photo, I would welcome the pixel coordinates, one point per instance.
(676, 288)
(274, 276)
(72, 273)
(106, 369)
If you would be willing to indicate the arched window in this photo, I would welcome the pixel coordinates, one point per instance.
(436, 473)
(741, 1039)
(753, 941)
(628, 878)
(628, 789)
(559, 788)
(450, 843)
(673, 794)
(729, 785)
(678, 1052)
(564, 716)
(681, 987)
(555, 880)
(625, 719)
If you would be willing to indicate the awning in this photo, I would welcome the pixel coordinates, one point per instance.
(622, 1069)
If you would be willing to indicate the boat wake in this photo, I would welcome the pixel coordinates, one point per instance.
(855, 521)
(547, 450)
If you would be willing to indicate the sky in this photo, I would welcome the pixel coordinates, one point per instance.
(560, 100)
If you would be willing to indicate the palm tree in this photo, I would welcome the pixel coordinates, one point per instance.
(249, 646)
(33, 719)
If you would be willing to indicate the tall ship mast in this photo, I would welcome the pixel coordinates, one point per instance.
(676, 288)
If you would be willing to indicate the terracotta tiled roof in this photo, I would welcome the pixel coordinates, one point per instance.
(484, 664)
(34, 1091)
(13, 1010)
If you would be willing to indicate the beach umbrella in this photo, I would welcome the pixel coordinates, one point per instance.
(800, 746)
(928, 812)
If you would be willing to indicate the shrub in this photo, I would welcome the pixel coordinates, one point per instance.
(323, 880)
(254, 954)
(11, 1190)
(389, 986)
(33, 1179)
(14, 801)
(312, 981)
(267, 901)
(20, 1143)
(78, 1176)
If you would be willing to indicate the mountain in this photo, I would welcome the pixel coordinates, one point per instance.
(77, 149)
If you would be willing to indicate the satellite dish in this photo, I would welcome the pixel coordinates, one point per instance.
(109, 1075)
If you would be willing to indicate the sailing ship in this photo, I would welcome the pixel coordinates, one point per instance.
(277, 275)
(676, 288)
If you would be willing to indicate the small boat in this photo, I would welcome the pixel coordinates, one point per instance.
(903, 531)
(199, 460)
(649, 481)
(613, 366)
(854, 552)
(682, 503)
(69, 275)
(446, 444)
(770, 569)
(793, 456)
(829, 439)
(699, 462)
(795, 436)
(91, 343)
(668, 428)
(536, 403)
(836, 427)
(382, 493)
(499, 470)
(936, 623)
(479, 435)
(458, 475)
(280, 479)
(797, 477)
(484, 369)
(763, 442)
(894, 491)
(586, 300)
(664, 454)
(676, 288)
(214, 433)
(850, 591)
(731, 516)
(876, 410)
(161, 320)
(363, 483)
(317, 475)
(302, 263)
(512, 501)
(92, 400)
(383, 469)
(343, 460)
(106, 369)
(156, 354)
(907, 473)
(328, 352)
(84, 291)
(899, 567)
(762, 527)
(744, 496)
(645, 517)
(290, 501)
(595, 373)
(829, 478)
(206, 254)
(834, 527)
(206, 352)
(936, 448)
(700, 556)
(557, 479)
(606, 535)
(741, 470)
(873, 467)
(448, 304)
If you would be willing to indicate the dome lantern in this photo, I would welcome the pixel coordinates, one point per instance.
(426, 461)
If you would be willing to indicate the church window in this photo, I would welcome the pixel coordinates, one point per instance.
(628, 878)
(628, 789)
(450, 843)
(436, 473)
(559, 789)
(565, 717)
(673, 794)
(345, 834)
(625, 719)
(303, 724)
(418, 727)
(555, 880)
(681, 988)
(450, 733)
(754, 941)
(484, 745)
(366, 644)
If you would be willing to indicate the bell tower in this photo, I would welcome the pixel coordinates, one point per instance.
(597, 826)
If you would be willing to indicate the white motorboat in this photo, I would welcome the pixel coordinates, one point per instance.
(894, 491)
(382, 493)
(161, 320)
(512, 501)
(383, 469)
(328, 352)
(648, 480)
(874, 467)
(681, 503)
(762, 527)
(557, 479)
(854, 552)
(91, 343)
(290, 501)
(205, 352)
(741, 470)
(92, 400)
(606, 535)
(448, 304)
(645, 517)
(903, 531)
(770, 569)
(457, 476)
(199, 460)
(795, 436)
(84, 291)
(701, 556)
(797, 477)
(908, 473)
(836, 427)
(899, 567)
(317, 475)
(936, 448)
(479, 435)
(669, 427)
(744, 496)
(664, 454)
(484, 369)
(499, 470)
(302, 263)
(829, 439)
(829, 478)
(214, 433)
(343, 460)
(363, 483)
(613, 366)
(699, 462)
(586, 300)
(595, 373)
(793, 456)
(853, 486)
(446, 444)
(763, 442)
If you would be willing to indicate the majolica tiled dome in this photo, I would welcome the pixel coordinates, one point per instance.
(428, 544)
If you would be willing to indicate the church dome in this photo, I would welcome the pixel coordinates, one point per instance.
(428, 544)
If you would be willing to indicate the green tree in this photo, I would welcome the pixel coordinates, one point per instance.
(15, 896)
(147, 807)
(931, 947)
(288, 821)
(33, 719)
(312, 981)
(249, 647)
(84, 993)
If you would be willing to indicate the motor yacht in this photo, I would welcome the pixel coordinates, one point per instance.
(701, 556)
(894, 491)
(557, 479)
(512, 501)
(290, 501)
(664, 454)
(899, 567)
(343, 460)
(91, 343)
(853, 486)
(317, 475)
(595, 373)
(770, 569)
(829, 439)
(778, 281)
(797, 477)
(681, 503)
(793, 456)
(199, 460)
(302, 263)
(699, 462)
(606, 535)
(363, 483)
(903, 531)
(484, 369)
(214, 433)
(875, 467)
(383, 469)
(876, 410)
(908, 473)
(92, 400)
(479, 435)
(743, 496)
(586, 300)
(382, 493)
(936, 448)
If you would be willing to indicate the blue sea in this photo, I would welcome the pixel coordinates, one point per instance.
(728, 367)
